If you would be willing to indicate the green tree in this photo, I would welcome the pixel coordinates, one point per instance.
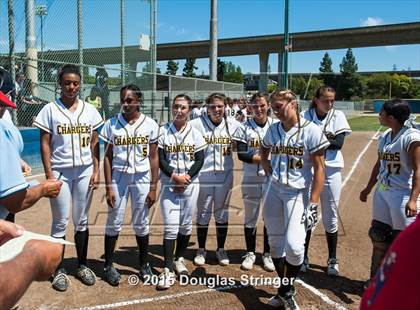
(300, 86)
(189, 68)
(326, 64)
(377, 86)
(349, 84)
(220, 70)
(348, 64)
(415, 89)
(172, 67)
(401, 86)
(327, 73)
(232, 73)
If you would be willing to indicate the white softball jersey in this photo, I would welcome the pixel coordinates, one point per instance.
(230, 112)
(333, 124)
(252, 134)
(291, 150)
(396, 169)
(130, 143)
(180, 146)
(218, 154)
(71, 132)
(197, 112)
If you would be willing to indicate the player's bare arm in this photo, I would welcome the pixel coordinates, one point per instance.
(110, 195)
(414, 155)
(94, 146)
(265, 152)
(25, 198)
(318, 163)
(36, 262)
(371, 183)
(46, 153)
(154, 168)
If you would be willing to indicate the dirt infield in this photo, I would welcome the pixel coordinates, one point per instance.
(354, 250)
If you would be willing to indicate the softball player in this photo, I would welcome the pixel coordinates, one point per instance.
(197, 109)
(297, 146)
(70, 152)
(249, 138)
(335, 127)
(181, 156)
(131, 168)
(396, 198)
(216, 176)
(231, 108)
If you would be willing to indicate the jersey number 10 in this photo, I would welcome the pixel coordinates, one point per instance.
(85, 141)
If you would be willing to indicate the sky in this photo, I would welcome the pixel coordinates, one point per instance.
(189, 20)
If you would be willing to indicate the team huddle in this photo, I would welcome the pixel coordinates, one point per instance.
(291, 163)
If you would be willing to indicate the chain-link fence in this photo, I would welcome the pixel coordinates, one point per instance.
(110, 43)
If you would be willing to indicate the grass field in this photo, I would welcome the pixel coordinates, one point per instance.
(364, 123)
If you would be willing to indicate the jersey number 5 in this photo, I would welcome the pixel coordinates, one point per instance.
(144, 151)
(394, 168)
(226, 150)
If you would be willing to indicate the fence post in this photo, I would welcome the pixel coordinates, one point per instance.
(169, 97)
(80, 42)
(12, 48)
(122, 36)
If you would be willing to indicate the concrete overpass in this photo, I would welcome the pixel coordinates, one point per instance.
(384, 35)
(251, 81)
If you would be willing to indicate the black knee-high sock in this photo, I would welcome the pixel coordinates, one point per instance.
(110, 242)
(143, 244)
(221, 232)
(266, 244)
(307, 240)
(168, 253)
(279, 265)
(332, 244)
(290, 273)
(202, 235)
(10, 217)
(81, 238)
(250, 238)
(181, 245)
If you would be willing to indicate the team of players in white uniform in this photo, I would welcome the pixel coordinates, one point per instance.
(283, 173)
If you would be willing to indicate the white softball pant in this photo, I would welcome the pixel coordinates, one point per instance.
(214, 195)
(75, 194)
(389, 207)
(135, 185)
(283, 208)
(252, 194)
(330, 198)
(178, 208)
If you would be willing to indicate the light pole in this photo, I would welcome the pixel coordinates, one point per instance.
(286, 45)
(41, 11)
